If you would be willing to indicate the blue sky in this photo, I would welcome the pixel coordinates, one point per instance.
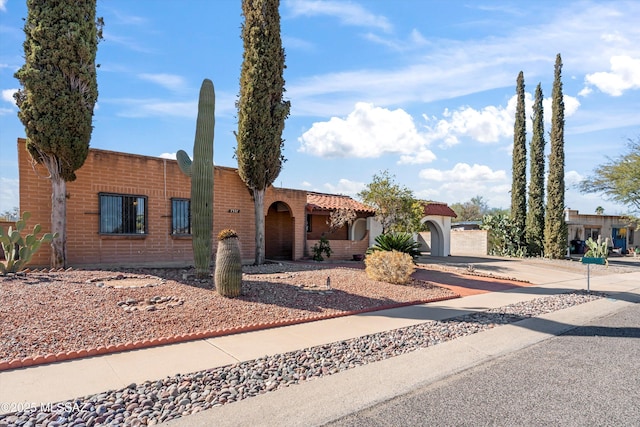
(422, 88)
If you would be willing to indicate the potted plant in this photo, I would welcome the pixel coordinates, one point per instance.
(598, 252)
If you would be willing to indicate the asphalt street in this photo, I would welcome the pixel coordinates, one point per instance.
(589, 376)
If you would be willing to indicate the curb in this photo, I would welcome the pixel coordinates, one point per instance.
(36, 360)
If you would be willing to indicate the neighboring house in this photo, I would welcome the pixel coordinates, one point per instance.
(615, 228)
(130, 210)
(465, 225)
(348, 241)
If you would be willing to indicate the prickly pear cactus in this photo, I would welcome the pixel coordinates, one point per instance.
(19, 250)
(201, 173)
(228, 275)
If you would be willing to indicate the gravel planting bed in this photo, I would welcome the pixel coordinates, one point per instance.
(55, 312)
(153, 402)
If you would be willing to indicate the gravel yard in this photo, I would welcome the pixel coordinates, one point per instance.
(52, 312)
(154, 402)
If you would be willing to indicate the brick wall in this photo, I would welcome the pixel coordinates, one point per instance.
(159, 180)
(319, 228)
(343, 249)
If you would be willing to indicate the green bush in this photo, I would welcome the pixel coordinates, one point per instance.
(19, 250)
(401, 242)
(389, 266)
(503, 236)
(322, 247)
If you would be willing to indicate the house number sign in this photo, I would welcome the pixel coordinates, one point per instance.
(234, 210)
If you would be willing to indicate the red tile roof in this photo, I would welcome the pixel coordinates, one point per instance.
(437, 208)
(329, 202)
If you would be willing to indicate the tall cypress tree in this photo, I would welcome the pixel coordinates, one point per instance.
(555, 233)
(261, 109)
(535, 210)
(519, 166)
(59, 92)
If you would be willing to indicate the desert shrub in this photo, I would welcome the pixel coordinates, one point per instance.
(401, 242)
(389, 266)
(322, 247)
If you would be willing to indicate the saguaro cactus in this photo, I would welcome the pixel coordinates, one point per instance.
(201, 173)
(228, 276)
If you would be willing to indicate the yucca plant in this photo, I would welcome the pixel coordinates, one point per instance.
(401, 242)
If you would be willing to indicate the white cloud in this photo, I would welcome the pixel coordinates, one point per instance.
(624, 75)
(585, 91)
(572, 178)
(171, 156)
(571, 105)
(169, 81)
(345, 186)
(347, 12)
(367, 132)
(420, 157)
(465, 181)
(488, 125)
(3, 5)
(305, 184)
(463, 173)
(7, 95)
(446, 69)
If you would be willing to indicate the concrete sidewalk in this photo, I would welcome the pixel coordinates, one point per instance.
(66, 380)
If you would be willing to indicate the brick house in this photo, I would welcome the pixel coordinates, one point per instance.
(127, 209)
(348, 241)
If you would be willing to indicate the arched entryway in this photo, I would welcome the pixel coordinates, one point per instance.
(439, 234)
(358, 230)
(279, 232)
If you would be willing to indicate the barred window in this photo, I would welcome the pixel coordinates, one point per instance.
(123, 214)
(180, 216)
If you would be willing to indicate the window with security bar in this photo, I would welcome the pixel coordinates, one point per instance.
(123, 214)
(180, 216)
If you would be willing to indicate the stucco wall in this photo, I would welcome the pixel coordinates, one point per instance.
(470, 242)
(463, 242)
(159, 180)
